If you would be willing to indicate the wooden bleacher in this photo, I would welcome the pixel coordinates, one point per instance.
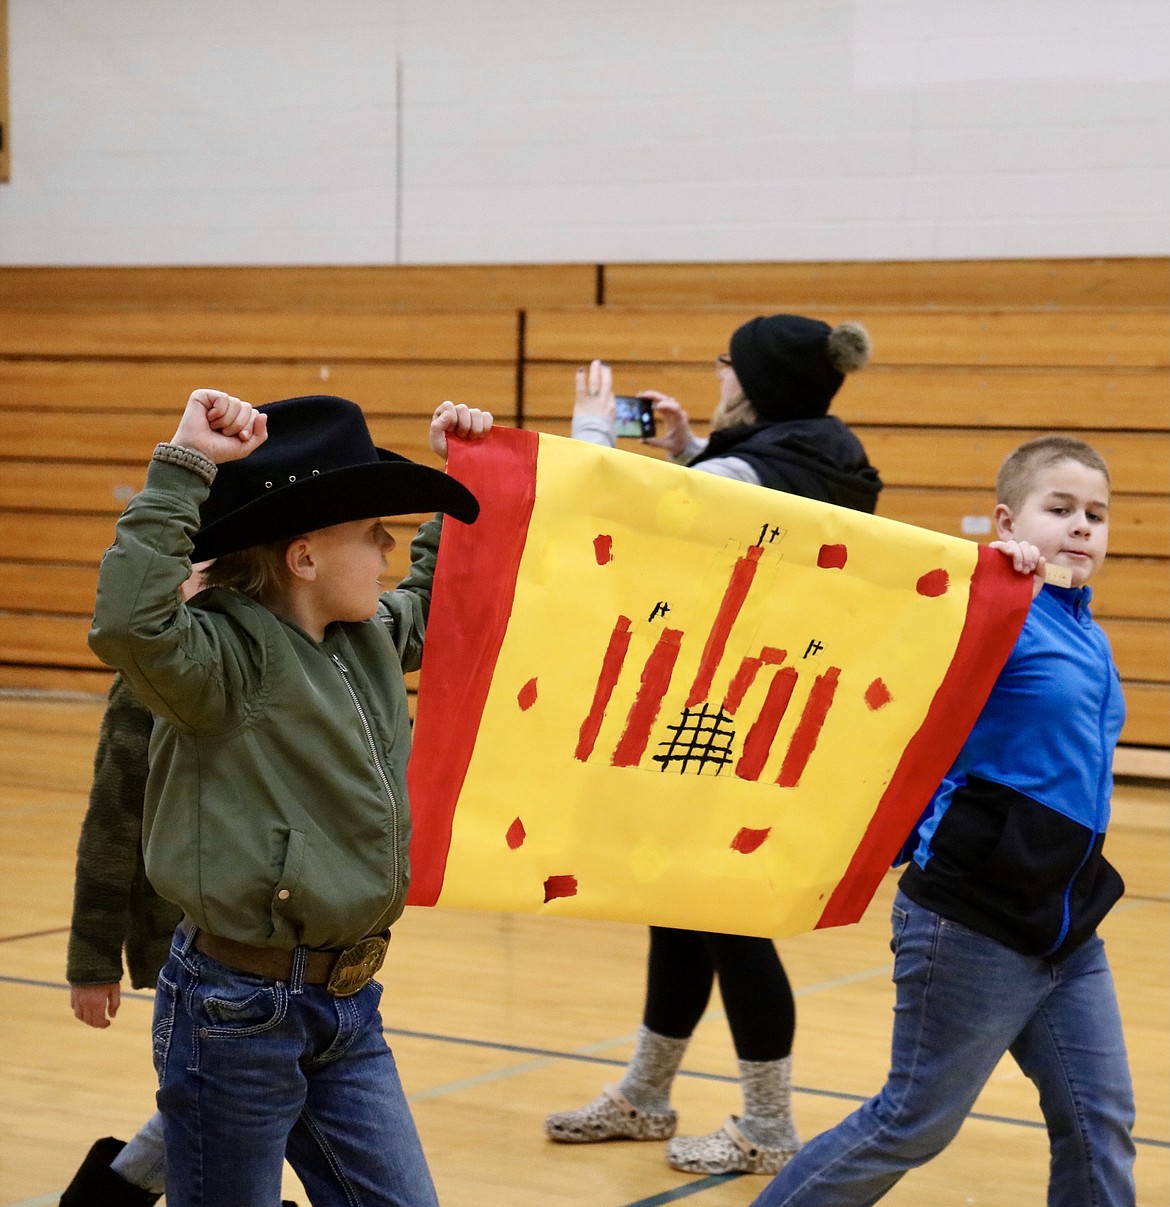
(970, 359)
(95, 363)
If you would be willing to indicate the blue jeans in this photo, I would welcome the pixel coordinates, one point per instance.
(963, 1000)
(143, 1162)
(251, 1070)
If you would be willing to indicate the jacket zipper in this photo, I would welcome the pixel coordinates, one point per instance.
(361, 712)
(1066, 903)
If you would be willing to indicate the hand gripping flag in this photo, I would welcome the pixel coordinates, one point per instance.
(655, 695)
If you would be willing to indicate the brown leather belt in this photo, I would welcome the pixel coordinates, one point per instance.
(343, 971)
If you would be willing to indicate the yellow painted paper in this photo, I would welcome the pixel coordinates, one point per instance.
(834, 605)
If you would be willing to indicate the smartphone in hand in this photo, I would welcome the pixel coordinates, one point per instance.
(635, 416)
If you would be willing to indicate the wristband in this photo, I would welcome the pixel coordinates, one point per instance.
(188, 458)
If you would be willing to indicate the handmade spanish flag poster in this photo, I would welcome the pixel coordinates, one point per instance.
(655, 695)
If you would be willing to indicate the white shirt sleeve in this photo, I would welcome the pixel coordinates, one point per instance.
(593, 429)
(731, 467)
(596, 429)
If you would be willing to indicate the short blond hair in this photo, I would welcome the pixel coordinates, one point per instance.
(256, 572)
(1017, 475)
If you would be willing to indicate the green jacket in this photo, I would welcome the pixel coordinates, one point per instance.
(114, 904)
(276, 808)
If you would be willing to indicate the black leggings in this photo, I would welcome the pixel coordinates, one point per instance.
(755, 990)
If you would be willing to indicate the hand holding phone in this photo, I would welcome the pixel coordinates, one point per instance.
(635, 416)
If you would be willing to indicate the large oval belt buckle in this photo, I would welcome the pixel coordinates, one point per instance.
(356, 966)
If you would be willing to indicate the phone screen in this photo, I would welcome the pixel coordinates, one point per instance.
(635, 416)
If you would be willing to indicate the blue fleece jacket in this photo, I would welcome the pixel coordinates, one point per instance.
(1011, 845)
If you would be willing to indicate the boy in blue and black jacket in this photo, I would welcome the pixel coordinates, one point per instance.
(995, 920)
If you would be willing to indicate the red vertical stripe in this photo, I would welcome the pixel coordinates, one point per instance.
(740, 683)
(746, 675)
(997, 606)
(647, 703)
(471, 604)
(808, 728)
(737, 589)
(611, 668)
(758, 743)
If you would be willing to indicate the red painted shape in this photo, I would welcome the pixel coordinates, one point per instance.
(832, 557)
(737, 588)
(559, 886)
(747, 841)
(758, 743)
(603, 549)
(808, 728)
(877, 695)
(611, 668)
(526, 697)
(997, 606)
(471, 603)
(741, 681)
(647, 703)
(933, 583)
(516, 835)
(743, 678)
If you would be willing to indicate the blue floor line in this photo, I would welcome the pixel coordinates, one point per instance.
(699, 1186)
(684, 1192)
(585, 1057)
(697, 1074)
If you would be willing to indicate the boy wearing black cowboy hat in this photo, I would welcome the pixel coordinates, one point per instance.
(276, 812)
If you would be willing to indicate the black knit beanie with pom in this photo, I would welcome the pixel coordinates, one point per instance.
(790, 367)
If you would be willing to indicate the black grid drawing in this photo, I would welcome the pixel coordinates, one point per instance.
(703, 737)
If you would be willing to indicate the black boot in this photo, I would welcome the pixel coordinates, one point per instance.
(95, 1184)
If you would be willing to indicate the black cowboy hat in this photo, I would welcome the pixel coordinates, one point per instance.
(318, 467)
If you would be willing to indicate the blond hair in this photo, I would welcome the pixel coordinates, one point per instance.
(1017, 475)
(257, 571)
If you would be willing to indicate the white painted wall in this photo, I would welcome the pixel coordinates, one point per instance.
(430, 131)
